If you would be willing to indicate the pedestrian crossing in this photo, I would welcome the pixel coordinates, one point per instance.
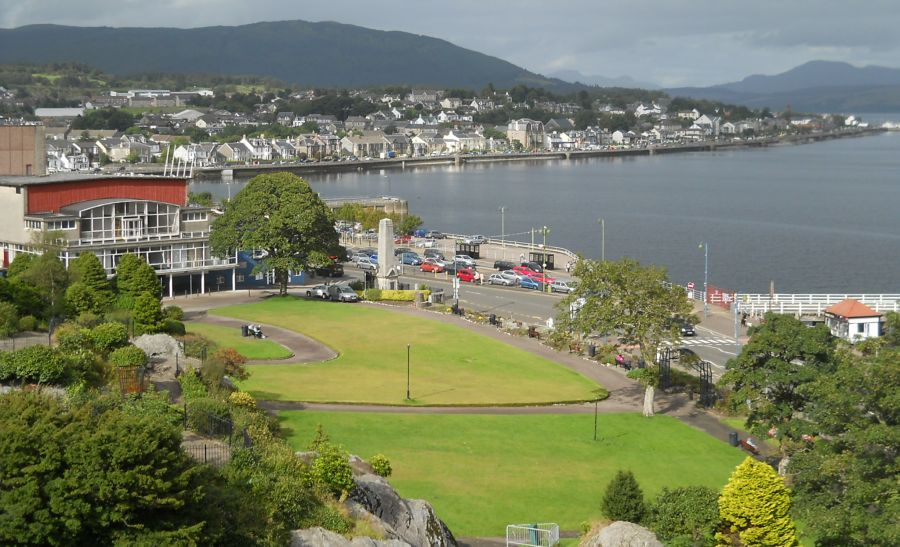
(703, 342)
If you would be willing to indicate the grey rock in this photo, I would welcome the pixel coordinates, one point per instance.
(161, 345)
(413, 520)
(622, 534)
(320, 537)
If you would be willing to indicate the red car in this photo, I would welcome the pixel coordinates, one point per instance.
(402, 239)
(432, 265)
(541, 278)
(466, 274)
(524, 270)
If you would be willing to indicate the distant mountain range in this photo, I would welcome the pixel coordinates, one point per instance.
(322, 54)
(602, 81)
(816, 86)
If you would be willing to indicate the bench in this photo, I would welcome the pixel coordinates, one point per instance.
(749, 447)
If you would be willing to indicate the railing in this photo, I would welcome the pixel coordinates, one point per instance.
(520, 245)
(194, 264)
(101, 240)
(812, 304)
(533, 535)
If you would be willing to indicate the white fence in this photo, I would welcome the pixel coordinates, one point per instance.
(812, 304)
(532, 535)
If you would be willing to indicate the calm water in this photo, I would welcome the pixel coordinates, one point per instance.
(823, 217)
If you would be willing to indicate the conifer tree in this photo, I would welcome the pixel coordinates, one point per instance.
(624, 499)
(88, 270)
(755, 508)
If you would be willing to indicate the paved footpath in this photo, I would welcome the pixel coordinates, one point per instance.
(626, 395)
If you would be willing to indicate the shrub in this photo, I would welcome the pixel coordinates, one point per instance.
(88, 319)
(147, 314)
(381, 465)
(125, 302)
(192, 386)
(173, 312)
(79, 299)
(624, 499)
(331, 518)
(196, 345)
(358, 285)
(232, 363)
(755, 508)
(242, 399)
(128, 356)
(332, 470)
(9, 319)
(119, 316)
(70, 337)
(7, 367)
(109, 336)
(208, 415)
(688, 514)
(28, 322)
(39, 364)
(173, 327)
(372, 294)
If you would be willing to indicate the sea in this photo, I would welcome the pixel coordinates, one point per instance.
(812, 218)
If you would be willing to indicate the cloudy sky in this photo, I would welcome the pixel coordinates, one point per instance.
(669, 42)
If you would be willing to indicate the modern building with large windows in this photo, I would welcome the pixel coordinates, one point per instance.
(109, 216)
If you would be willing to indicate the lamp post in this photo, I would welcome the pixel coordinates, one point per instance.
(503, 226)
(705, 247)
(545, 231)
(602, 240)
(407, 372)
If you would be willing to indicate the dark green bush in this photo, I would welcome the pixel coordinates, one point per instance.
(624, 499)
(173, 327)
(173, 312)
(358, 285)
(125, 302)
(88, 319)
(128, 356)
(207, 415)
(29, 322)
(7, 367)
(687, 515)
(39, 364)
(197, 346)
(70, 338)
(109, 336)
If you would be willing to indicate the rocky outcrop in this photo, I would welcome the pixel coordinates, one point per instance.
(158, 345)
(621, 534)
(413, 521)
(320, 537)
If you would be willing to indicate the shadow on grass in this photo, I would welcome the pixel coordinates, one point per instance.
(426, 395)
(265, 395)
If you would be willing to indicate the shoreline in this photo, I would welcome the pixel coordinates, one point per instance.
(250, 171)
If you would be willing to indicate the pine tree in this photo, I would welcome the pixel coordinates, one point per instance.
(148, 315)
(624, 499)
(88, 270)
(135, 277)
(755, 508)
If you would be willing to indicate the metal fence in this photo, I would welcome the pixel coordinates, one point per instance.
(533, 535)
(213, 453)
(812, 304)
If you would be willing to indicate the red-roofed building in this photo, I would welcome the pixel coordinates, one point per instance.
(853, 321)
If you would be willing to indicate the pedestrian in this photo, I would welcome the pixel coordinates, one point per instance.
(521, 258)
(568, 266)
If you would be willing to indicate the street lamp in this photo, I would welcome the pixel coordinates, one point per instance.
(503, 226)
(407, 372)
(705, 247)
(602, 239)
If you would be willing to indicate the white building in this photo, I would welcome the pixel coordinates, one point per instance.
(853, 321)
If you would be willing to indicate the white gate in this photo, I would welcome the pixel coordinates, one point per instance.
(532, 535)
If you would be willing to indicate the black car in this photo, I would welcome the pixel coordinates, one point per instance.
(330, 270)
(452, 267)
(534, 266)
(502, 265)
(434, 253)
(434, 234)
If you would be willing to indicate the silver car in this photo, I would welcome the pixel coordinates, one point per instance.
(465, 259)
(562, 286)
(367, 263)
(498, 279)
(319, 291)
(510, 276)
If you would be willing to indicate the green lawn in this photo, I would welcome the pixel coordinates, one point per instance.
(450, 365)
(484, 472)
(230, 337)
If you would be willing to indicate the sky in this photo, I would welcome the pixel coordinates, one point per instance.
(666, 42)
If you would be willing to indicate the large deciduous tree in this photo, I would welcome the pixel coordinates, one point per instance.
(633, 302)
(845, 478)
(280, 214)
(768, 376)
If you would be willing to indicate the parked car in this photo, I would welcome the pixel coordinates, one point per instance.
(534, 266)
(400, 250)
(432, 265)
(503, 265)
(434, 253)
(475, 240)
(466, 274)
(434, 234)
(524, 270)
(452, 266)
(562, 286)
(367, 263)
(334, 269)
(402, 239)
(512, 276)
(497, 279)
(411, 259)
(465, 259)
(528, 283)
(542, 278)
(427, 243)
(319, 291)
(356, 256)
(342, 293)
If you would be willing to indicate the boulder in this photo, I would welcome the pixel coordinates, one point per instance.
(320, 537)
(414, 521)
(621, 534)
(161, 345)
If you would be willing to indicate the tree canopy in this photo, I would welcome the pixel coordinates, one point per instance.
(280, 214)
(630, 301)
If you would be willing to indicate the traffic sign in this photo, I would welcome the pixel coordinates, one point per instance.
(690, 285)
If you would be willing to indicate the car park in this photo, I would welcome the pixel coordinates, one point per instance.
(502, 265)
(475, 240)
(466, 274)
(528, 283)
(562, 286)
(465, 259)
(367, 263)
(434, 253)
(342, 293)
(432, 265)
(411, 259)
(319, 291)
(512, 276)
(497, 279)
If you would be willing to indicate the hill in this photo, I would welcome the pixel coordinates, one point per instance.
(602, 81)
(817, 86)
(325, 54)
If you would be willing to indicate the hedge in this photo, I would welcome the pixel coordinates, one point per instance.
(34, 364)
(395, 296)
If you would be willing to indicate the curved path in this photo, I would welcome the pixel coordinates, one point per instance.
(304, 348)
